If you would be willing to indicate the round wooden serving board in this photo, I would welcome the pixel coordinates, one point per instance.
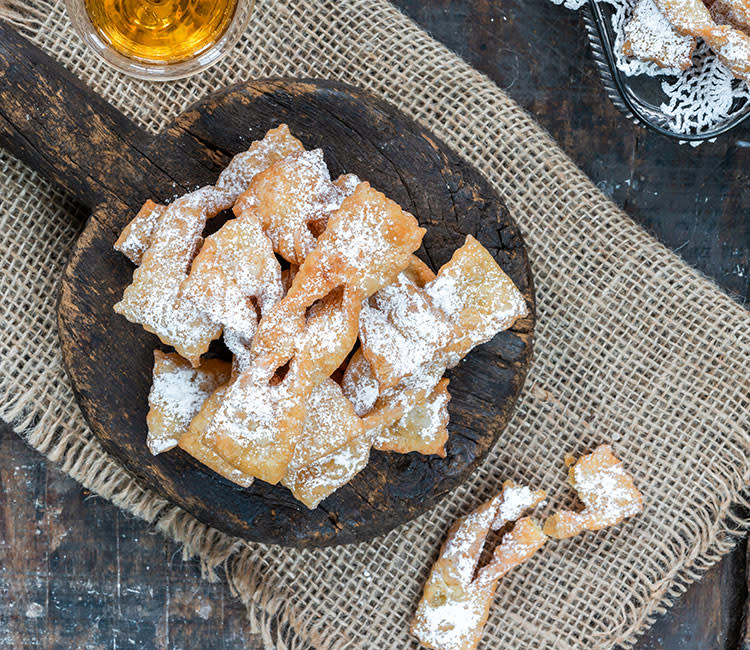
(65, 131)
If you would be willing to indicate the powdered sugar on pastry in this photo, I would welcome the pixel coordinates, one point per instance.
(177, 394)
(153, 298)
(424, 428)
(732, 12)
(235, 279)
(136, 236)
(401, 331)
(606, 490)
(473, 295)
(331, 449)
(289, 196)
(457, 597)
(476, 296)
(516, 500)
(692, 18)
(649, 36)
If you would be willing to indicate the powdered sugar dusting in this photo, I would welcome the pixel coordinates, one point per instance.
(136, 237)
(608, 492)
(401, 331)
(177, 393)
(516, 500)
(651, 37)
(153, 299)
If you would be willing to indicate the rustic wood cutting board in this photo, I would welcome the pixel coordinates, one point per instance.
(66, 132)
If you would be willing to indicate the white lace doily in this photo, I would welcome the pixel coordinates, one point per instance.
(695, 100)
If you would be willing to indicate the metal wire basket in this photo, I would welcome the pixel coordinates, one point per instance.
(639, 98)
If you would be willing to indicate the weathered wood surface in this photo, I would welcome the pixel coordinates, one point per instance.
(694, 200)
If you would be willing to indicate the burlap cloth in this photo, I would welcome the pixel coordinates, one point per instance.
(632, 346)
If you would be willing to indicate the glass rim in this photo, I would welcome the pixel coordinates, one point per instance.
(154, 71)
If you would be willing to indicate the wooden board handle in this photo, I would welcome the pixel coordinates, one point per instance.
(55, 124)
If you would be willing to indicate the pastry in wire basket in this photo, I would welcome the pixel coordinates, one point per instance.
(665, 32)
(339, 335)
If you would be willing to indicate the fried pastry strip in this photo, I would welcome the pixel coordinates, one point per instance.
(401, 331)
(136, 236)
(692, 18)
(649, 36)
(331, 449)
(477, 296)
(195, 444)
(606, 490)
(234, 279)
(368, 241)
(424, 428)
(177, 393)
(457, 596)
(259, 421)
(166, 249)
(732, 12)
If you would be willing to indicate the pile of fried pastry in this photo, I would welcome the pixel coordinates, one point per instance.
(340, 336)
(666, 32)
(458, 593)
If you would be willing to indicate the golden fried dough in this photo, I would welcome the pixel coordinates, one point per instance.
(477, 296)
(457, 596)
(401, 331)
(177, 393)
(424, 428)
(136, 236)
(195, 443)
(606, 490)
(331, 449)
(692, 18)
(649, 36)
(234, 279)
(472, 293)
(291, 195)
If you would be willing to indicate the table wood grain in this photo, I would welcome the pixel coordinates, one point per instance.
(75, 572)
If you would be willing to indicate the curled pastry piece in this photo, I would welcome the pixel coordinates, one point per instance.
(292, 195)
(177, 394)
(474, 296)
(331, 449)
(368, 241)
(649, 36)
(153, 298)
(234, 279)
(457, 596)
(260, 418)
(606, 490)
(692, 18)
(477, 296)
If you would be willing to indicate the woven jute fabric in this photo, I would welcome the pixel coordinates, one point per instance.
(633, 347)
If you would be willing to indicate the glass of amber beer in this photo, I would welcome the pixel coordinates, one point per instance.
(160, 39)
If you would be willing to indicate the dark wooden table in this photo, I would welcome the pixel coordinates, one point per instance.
(75, 572)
